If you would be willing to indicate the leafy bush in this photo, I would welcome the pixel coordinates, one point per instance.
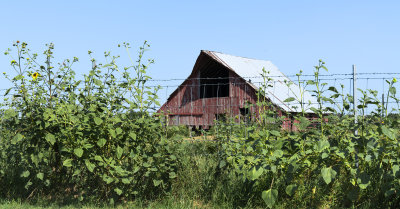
(91, 138)
(325, 165)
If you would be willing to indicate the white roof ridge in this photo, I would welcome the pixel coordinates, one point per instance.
(232, 68)
(236, 56)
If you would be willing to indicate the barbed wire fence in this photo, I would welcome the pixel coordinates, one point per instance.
(365, 81)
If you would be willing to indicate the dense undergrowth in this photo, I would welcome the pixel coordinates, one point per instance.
(95, 141)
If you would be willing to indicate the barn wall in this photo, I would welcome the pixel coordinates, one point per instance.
(186, 108)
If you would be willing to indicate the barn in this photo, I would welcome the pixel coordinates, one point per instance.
(222, 85)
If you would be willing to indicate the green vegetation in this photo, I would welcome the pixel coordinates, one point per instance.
(96, 143)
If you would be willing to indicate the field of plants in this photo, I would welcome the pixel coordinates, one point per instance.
(96, 141)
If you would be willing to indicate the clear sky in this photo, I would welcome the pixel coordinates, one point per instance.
(293, 35)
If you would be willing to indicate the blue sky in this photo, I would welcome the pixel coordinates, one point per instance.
(294, 35)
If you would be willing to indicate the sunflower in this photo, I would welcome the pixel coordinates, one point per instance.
(35, 75)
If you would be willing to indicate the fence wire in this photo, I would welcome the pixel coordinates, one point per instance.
(365, 81)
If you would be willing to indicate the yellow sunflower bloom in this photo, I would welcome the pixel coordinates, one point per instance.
(35, 75)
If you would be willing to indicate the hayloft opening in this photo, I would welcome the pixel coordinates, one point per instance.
(214, 82)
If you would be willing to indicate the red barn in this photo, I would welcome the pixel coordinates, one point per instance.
(222, 85)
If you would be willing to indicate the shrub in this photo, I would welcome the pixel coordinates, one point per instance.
(92, 138)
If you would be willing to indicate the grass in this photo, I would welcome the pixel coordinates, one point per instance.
(156, 204)
(166, 203)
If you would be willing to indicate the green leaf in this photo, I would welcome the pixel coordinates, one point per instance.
(157, 182)
(222, 163)
(173, 157)
(50, 138)
(27, 185)
(35, 159)
(310, 82)
(118, 191)
(40, 176)
(255, 174)
(322, 145)
(120, 151)
(332, 88)
(97, 82)
(270, 196)
(119, 131)
(98, 120)
(98, 158)
(90, 166)
(328, 174)
(275, 133)
(67, 163)
(17, 138)
(47, 182)
(172, 175)
(107, 179)
(334, 96)
(25, 174)
(368, 158)
(395, 169)
(8, 91)
(132, 135)
(388, 132)
(77, 83)
(78, 152)
(273, 168)
(87, 146)
(120, 170)
(290, 99)
(278, 153)
(291, 189)
(126, 181)
(101, 142)
(112, 133)
(392, 90)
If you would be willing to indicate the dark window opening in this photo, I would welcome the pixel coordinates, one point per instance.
(220, 117)
(214, 82)
(245, 114)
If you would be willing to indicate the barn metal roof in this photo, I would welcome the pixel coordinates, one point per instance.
(251, 70)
